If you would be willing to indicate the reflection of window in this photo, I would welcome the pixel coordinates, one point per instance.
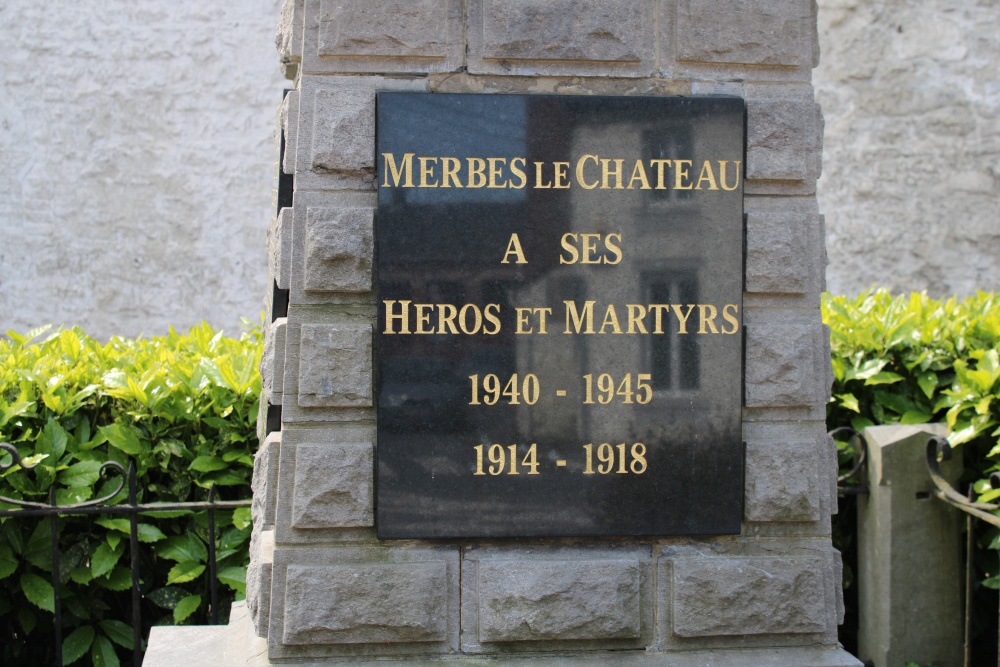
(674, 358)
(673, 143)
(446, 291)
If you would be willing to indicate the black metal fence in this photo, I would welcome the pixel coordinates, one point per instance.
(132, 508)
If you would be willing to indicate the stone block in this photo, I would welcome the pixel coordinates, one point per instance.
(335, 365)
(391, 36)
(264, 483)
(366, 603)
(279, 248)
(748, 596)
(259, 572)
(288, 36)
(784, 134)
(782, 481)
(558, 600)
(561, 37)
(339, 245)
(784, 365)
(752, 32)
(272, 361)
(290, 128)
(333, 486)
(781, 254)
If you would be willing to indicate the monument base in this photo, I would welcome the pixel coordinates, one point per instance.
(236, 645)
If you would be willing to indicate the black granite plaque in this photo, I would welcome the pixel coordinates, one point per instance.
(559, 344)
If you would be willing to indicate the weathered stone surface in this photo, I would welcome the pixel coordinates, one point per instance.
(272, 361)
(753, 32)
(333, 486)
(335, 365)
(561, 37)
(781, 365)
(558, 600)
(279, 247)
(778, 253)
(781, 481)
(748, 596)
(366, 603)
(339, 245)
(288, 36)
(784, 135)
(259, 573)
(391, 28)
(343, 129)
(264, 483)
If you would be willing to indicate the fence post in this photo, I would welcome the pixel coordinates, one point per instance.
(909, 568)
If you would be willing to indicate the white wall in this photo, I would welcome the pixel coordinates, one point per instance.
(911, 168)
(136, 157)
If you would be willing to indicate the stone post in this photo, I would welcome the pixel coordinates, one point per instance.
(321, 586)
(909, 554)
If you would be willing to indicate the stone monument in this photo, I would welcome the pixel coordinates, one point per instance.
(544, 375)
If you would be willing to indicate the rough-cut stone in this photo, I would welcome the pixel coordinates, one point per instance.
(782, 481)
(272, 361)
(335, 365)
(343, 129)
(288, 36)
(778, 257)
(784, 136)
(366, 603)
(339, 245)
(780, 365)
(333, 486)
(264, 483)
(391, 28)
(558, 600)
(561, 37)
(279, 247)
(748, 596)
(752, 32)
(258, 579)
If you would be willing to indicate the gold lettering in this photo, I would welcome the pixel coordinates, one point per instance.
(521, 317)
(606, 173)
(706, 316)
(423, 317)
(514, 248)
(463, 318)
(496, 172)
(518, 172)
(589, 248)
(446, 318)
(579, 172)
(658, 309)
(616, 250)
(683, 317)
(491, 312)
(660, 172)
(450, 167)
(636, 315)
(561, 175)
(404, 170)
(539, 185)
(611, 318)
(722, 176)
(568, 241)
(426, 172)
(577, 318)
(403, 317)
(477, 172)
(731, 318)
(681, 173)
(706, 175)
(639, 171)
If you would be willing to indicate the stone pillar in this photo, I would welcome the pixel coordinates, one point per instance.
(909, 554)
(321, 586)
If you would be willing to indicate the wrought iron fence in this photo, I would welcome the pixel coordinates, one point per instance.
(132, 508)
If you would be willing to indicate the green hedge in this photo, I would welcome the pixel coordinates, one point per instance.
(183, 407)
(911, 359)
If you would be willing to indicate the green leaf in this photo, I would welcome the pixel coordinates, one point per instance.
(122, 438)
(186, 607)
(104, 558)
(849, 401)
(8, 564)
(150, 533)
(77, 644)
(208, 464)
(118, 632)
(928, 382)
(119, 579)
(121, 525)
(184, 571)
(38, 591)
(102, 653)
(235, 577)
(915, 417)
(183, 548)
(84, 473)
(242, 518)
(884, 377)
(26, 617)
(167, 597)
